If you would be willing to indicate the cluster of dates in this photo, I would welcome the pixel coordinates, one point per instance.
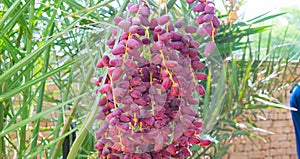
(147, 105)
(207, 17)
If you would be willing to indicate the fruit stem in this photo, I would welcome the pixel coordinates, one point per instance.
(151, 80)
(213, 32)
(164, 63)
(134, 118)
(112, 89)
(193, 76)
(120, 136)
(153, 109)
(167, 27)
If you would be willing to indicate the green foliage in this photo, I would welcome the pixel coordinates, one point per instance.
(253, 74)
(43, 47)
(55, 44)
(285, 34)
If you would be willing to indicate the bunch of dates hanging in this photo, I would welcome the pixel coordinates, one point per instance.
(147, 104)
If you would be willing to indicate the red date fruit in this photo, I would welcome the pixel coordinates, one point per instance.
(134, 44)
(118, 19)
(189, 132)
(190, 1)
(100, 64)
(179, 24)
(186, 152)
(190, 29)
(209, 48)
(116, 62)
(200, 89)
(163, 19)
(148, 91)
(117, 73)
(106, 88)
(145, 11)
(166, 84)
(120, 49)
(131, 64)
(194, 140)
(124, 24)
(205, 142)
(199, 7)
(134, 8)
(102, 101)
(201, 76)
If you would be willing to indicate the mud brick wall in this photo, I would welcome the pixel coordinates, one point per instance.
(280, 145)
